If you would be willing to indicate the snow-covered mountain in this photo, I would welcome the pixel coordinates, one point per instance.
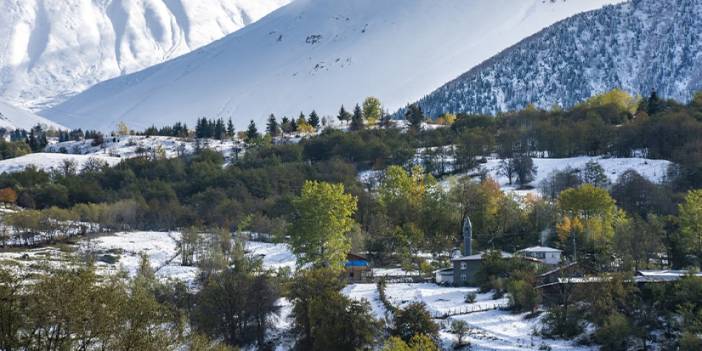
(53, 49)
(12, 118)
(319, 54)
(639, 46)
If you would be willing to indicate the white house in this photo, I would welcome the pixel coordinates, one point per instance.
(547, 255)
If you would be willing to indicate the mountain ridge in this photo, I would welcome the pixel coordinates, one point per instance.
(53, 49)
(319, 55)
(630, 46)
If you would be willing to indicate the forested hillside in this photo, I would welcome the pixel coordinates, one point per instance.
(639, 46)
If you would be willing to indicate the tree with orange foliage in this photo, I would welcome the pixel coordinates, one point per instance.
(8, 196)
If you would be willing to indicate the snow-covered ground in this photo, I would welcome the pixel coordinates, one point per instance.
(274, 256)
(125, 248)
(134, 146)
(51, 161)
(160, 247)
(653, 170)
(500, 330)
(489, 330)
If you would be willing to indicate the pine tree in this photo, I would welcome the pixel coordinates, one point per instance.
(285, 125)
(252, 132)
(230, 128)
(314, 119)
(272, 127)
(654, 104)
(219, 130)
(343, 115)
(357, 118)
(293, 126)
(414, 116)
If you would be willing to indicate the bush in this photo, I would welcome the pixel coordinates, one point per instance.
(109, 259)
(689, 342)
(413, 320)
(460, 328)
(471, 297)
(614, 334)
(561, 323)
(522, 295)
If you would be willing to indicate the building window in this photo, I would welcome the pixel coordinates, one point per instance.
(464, 265)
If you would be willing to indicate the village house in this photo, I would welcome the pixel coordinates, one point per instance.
(546, 255)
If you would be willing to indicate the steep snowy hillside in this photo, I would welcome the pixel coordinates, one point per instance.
(53, 49)
(319, 54)
(639, 46)
(12, 118)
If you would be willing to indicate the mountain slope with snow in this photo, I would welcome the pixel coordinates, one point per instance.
(12, 118)
(319, 54)
(638, 46)
(53, 49)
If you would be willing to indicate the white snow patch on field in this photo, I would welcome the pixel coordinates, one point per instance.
(274, 255)
(653, 170)
(160, 247)
(48, 161)
(490, 330)
(368, 292)
(501, 330)
(132, 146)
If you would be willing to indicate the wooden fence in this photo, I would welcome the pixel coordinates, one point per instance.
(469, 310)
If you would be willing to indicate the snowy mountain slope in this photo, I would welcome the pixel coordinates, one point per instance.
(53, 49)
(12, 118)
(319, 54)
(638, 46)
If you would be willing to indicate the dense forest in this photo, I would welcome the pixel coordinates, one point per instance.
(612, 230)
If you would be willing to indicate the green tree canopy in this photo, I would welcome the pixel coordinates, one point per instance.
(324, 217)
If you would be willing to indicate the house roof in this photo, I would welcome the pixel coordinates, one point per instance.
(666, 274)
(540, 249)
(479, 257)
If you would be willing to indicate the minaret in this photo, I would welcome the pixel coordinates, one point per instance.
(467, 237)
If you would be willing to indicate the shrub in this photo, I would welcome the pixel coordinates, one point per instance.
(471, 297)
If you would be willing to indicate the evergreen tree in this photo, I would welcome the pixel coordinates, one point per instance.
(272, 126)
(654, 104)
(343, 115)
(414, 116)
(230, 128)
(219, 130)
(314, 119)
(285, 125)
(357, 118)
(252, 132)
(293, 126)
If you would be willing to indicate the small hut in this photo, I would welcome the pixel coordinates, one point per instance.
(358, 269)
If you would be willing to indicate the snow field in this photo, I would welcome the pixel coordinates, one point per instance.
(489, 330)
(49, 161)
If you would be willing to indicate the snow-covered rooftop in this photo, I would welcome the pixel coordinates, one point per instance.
(479, 256)
(540, 249)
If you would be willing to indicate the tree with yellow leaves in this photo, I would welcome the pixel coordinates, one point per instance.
(589, 215)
